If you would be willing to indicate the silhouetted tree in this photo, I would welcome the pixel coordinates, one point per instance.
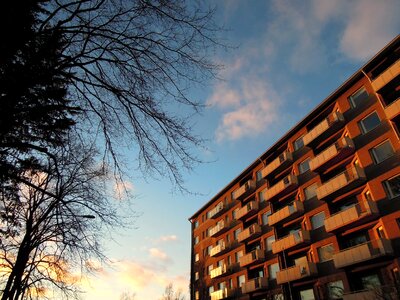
(171, 294)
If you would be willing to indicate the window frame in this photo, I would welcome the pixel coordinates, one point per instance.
(299, 166)
(375, 155)
(388, 188)
(305, 193)
(352, 97)
(295, 143)
(325, 246)
(363, 128)
(311, 219)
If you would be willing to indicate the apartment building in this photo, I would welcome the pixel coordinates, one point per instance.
(317, 216)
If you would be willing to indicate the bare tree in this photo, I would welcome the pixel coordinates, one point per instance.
(56, 227)
(127, 296)
(130, 66)
(171, 294)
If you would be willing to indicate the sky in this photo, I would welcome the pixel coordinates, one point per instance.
(288, 57)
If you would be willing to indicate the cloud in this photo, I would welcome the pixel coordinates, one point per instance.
(159, 254)
(168, 238)
(122, 189)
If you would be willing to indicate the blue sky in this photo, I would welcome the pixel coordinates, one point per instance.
(290, 56)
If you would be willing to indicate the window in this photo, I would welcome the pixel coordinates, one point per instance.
(335, 289)
(265, 217)
(392, 186)
(325, 253)
(230, 283)
(382, 152)
(241, 280)
(278, 297)
(307, 294)
(298, 143)
(196, 276)
(209, 269)
(220, 263)
(197, 295)
(238, 255)
(234, 213)
(209, 249)
(310, 191)
(272, 270)
(358, 97)
(368, 196)
(268, 243)
(196, 240)
(221, 285)
(196, 224)
(210, 290)
(317, 220)
(369, 122)
(304, 166)
(261, 194)
(236, 233)
(229, 260)
(370, 282)
(381, 232)
(259, 175)
(196, 257)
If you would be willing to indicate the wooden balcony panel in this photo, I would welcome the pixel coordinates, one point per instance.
(244, 190)
(252, 258)
(248, 210)
(393, 109)
(282, 161)
(388, 75)
(290, 241)
(217, 211)
(249, 233)
(290, 211)
(218, 229)
(219, 294)
(363, 252)
(219, 271)
(332, 155)
(353, 216)
(255, 284)
(296, 272)
(283, 187)
(343, 182)
(324, 128)
(218, 249)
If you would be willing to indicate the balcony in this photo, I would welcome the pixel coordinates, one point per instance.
(343, 182)
(351, 216)
(388, 75)
(283, 187)
(363, 252)
(248, 210)
(393, 109)
(218, 249)
(254, 285)
(329, 125)
(219, 271)
(218, 229)
(249, 233)
(290, 241)
(292, 210)
(278, 163)
(220, 294)
(379, 292)
(296, 272)
(253, 257)
(244, 190)
(216, 211)
(333, 154)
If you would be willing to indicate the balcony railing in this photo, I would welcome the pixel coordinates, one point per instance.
(292, 240)
(250, 232)
(248, 210)
(219, 271)
(353, 215)
(218, 249)
(346, 180)
(333, 154)
(283, 187)
(255, 284)
(218, 229)
(219, 294)
(328, 125)
(363, 252)
(388, 75)
(216, 211)
(244, 190)
(296, 272)
(278, 163)
(292, 210)
(393, 109)
(379, 292)
(251, 258)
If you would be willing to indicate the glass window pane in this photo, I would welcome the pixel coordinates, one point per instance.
(393, 186)
(258, 175)
(317, 220)
(298, 143)
(307, 294)
(369, 122)
(358, 97)
(370, 282)
(325, 253)
(268, 243)
(335, 289)
(241, 280)
(272, 270)
(265, 217)
(382, 152)
(310, 191)
(304, 166)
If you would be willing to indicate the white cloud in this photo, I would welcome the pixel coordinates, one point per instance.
(159, 254)
(168, 238)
